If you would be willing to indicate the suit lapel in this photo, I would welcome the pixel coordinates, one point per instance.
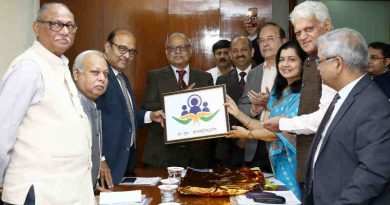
(170, 81)
(359, 87)
(117, 88)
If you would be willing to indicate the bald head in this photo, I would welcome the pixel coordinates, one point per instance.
(178, 50)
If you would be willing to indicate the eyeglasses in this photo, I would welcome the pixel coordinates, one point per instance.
(318, 61)
(57, 26)
(374, 58)
(182, 49)
(123, 50)
(268, 40)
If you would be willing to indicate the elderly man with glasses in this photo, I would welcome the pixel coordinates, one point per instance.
(174, 77)
(120, 116)
(45, 149)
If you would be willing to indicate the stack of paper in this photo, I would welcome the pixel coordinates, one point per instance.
(124, 198)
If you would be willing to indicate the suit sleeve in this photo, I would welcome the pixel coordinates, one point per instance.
(210, 80)
(151, 99)
(372, 175)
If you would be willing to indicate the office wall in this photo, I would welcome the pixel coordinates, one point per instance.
(16, 18)
(370, 18)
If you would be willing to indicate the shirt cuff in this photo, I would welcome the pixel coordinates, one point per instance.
(284, 124)
(147, 117)
(103, 159)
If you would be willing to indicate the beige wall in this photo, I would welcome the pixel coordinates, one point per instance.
(16, 18)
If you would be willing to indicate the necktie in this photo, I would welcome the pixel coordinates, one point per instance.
(129, 105)
(182, 84)
(241, 83)
(318, 135)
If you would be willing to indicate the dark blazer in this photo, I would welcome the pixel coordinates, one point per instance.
(353, 165)
(117, 127)
(196, 154)
(383, 82)
(227, 152)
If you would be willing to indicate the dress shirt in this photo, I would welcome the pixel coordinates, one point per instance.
(308, 124)
(269, 75)
(215, 73)
(253, 37)
(343, 93)
(246, 71)
(186, 76)
(21, 87)
(147, 114)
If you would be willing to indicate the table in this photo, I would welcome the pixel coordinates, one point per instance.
(154, 192)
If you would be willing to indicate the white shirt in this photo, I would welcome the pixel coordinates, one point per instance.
(147, 114)
(215, 73)
(246, 71)
(269, 75)
(186, 76)
(343, 93)
(308, 124)
(268, 80)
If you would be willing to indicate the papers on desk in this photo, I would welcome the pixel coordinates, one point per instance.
(291, 199)
(140, 181)
(124, 198)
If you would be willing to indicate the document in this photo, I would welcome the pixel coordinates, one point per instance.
(121, 197)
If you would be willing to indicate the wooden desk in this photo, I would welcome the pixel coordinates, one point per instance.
(154, 192)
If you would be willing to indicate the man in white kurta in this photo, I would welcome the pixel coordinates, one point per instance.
(45, 154)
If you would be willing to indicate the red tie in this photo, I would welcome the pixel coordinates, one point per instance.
(182, 84)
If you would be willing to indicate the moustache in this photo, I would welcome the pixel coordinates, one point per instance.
(222, 60)
(241, 56)
(66, 38)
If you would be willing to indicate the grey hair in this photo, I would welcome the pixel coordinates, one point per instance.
(309, 9)
(241, 36)
(46, 6)
(348, 44)
(79, 61)
(178, 34)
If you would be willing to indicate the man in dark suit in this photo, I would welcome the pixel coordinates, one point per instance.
(174, 77)
(230, 152)
(348, 160)
(378, 66)
(120, 116)
(260, 80)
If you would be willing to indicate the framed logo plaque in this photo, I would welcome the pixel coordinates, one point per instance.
(195, 114)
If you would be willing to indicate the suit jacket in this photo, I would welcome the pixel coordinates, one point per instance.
(95, 120)
(197, 154)
(252, 147)
(353, 163)
(117, 127)
(383, 82)
(227, 152)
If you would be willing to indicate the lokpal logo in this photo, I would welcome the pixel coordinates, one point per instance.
(198, 110)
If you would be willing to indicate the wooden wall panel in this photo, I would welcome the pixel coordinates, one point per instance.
(88, 14)
(199, 20)
(233, 13)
